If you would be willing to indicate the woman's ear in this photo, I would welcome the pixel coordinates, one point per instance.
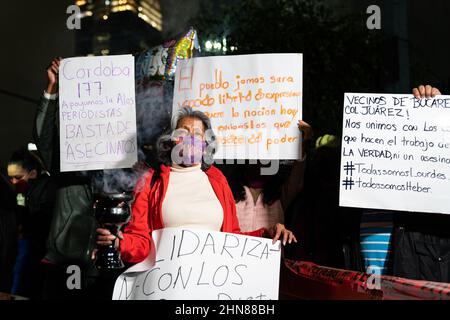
(33, 174)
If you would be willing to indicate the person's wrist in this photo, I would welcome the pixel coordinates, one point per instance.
(51, 88)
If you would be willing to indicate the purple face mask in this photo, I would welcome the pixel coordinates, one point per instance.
(190, 149)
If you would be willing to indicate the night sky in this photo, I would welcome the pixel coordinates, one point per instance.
(33, 32)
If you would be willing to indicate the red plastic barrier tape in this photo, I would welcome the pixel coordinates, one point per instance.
(378, 287)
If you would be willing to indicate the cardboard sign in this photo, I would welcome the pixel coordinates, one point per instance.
(97, 113)
(193, 264)
(396, 153)
(254, 102)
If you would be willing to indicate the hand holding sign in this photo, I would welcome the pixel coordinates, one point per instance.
(52, 76)
(279, 232)
(306, 131)
(425, 92)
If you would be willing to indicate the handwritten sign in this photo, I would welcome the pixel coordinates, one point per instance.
(97, 113)
(192, 264)
(396, 153)
(253, 101)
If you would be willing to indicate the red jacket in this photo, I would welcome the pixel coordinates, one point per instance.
(147, 212)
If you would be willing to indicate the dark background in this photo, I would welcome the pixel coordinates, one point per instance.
(33, 32)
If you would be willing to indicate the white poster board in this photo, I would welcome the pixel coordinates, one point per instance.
(193, 264)
(97, 113)
(396, 153)
(254, 102)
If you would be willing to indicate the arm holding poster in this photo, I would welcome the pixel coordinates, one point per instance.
(197, 194)
(414, 229)
(45, 121)
(395, 156)
(294, 184)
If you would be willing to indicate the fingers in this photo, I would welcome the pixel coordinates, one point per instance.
(422, 91)
(104, 237)
(292, 238)
(304, 126)
(54, 65)
(279, 228)
(428, 89)
(425, 92)
(104, 243)
(103, 232)
(435, 92)
(285, 236)
(306, 129)
(288, 236)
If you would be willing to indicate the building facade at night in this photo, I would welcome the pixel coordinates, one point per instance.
(118, 26)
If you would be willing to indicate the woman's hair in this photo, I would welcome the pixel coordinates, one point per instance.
(271, 191)
(165, 142)
(26, 159)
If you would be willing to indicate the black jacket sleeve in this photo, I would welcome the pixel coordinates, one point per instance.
(45, 133)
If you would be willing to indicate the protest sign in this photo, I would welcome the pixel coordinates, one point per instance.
(193, 264)
(97, 114)
(396, 153)
(254, 102)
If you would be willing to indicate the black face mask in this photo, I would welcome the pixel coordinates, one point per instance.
(21, 186)
(254, 179)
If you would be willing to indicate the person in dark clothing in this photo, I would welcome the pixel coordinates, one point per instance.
(70, 239)
(327, 232)
(35, 199)
(72, 233)
(8, 234)
(421, 241)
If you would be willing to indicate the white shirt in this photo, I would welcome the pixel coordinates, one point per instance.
(190, 200)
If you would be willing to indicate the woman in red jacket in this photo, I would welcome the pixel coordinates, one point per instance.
(186, 191)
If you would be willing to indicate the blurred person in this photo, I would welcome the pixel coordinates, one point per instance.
(421, 241)
(35, 191)
(262, 200)
(8, 236)
(186, 191)
(70, 238)
(328, 230)
(391, 242)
